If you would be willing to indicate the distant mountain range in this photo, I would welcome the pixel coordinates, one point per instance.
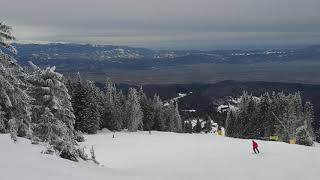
(56, 52)
(145, 66)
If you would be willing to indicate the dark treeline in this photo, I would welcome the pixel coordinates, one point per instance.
(110, 108)
(277, 114)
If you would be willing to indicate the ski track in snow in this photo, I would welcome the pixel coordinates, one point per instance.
(163, 156)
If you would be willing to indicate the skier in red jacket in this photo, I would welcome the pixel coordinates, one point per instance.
(255, 147)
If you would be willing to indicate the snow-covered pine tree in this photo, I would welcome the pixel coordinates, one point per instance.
(169, 117)
(177, 119)
(158, 113)
(91, 111)
(230, 124)
(108, 105)
(208, 124)
(188, 127)
(297, 110)
(47, 127)
(53, 119)
(242, 115)
(305, 134)
(85, 101)
(71, 83)
(198, 128)
(14, 100)
(291, 119)
(147, 110)
(2, 121)
(265, 115)
(6, 37)
(117, 111)
(78, 100)
(133, 109)
(279, 103)
(254, 127)
(105, 113)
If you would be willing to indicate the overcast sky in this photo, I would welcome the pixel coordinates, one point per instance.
(192, 24)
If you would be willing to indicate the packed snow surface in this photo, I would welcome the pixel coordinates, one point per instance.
(163, 156)
(201, 156)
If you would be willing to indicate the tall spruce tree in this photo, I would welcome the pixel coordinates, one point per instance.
(177, 119)
(230, 126)
(107, 104)
(169, 117)
(147, 110)
(188, 127)
(117, 111)
(158, 113)
(133, 110)
(265, 115)
(198, 127)
(78, 99)
(53, 121)
(91, 111)
(14, 99)
(304, 133)
(208, 124)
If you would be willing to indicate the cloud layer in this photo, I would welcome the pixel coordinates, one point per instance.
(167, 23)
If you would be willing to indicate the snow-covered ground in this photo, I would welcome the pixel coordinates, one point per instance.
(23, 161)
(163, 156)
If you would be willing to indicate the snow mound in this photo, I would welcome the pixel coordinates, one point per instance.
(22, 160)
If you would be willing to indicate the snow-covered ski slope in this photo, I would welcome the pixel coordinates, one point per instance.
(163, 156)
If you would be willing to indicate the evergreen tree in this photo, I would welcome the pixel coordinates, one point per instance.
(148, 111)
(309, 116)
(242, 115)
(14, 99)
(53, 119)
(281, 115)
(305, 134)
(78, 99)
(158, 112)
(86, 101)
(107, 105)
(208, 124)
(6, 37)
(230, 124)
(177, 119)
(188, 127)
(254, 127)
(169, 117)
(133, 110)
(279, 103)
(2, 121)
(197, 127)
(91, 111)
(265, 115)
(118, 112)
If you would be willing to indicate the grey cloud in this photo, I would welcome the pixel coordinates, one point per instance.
(171, 23)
